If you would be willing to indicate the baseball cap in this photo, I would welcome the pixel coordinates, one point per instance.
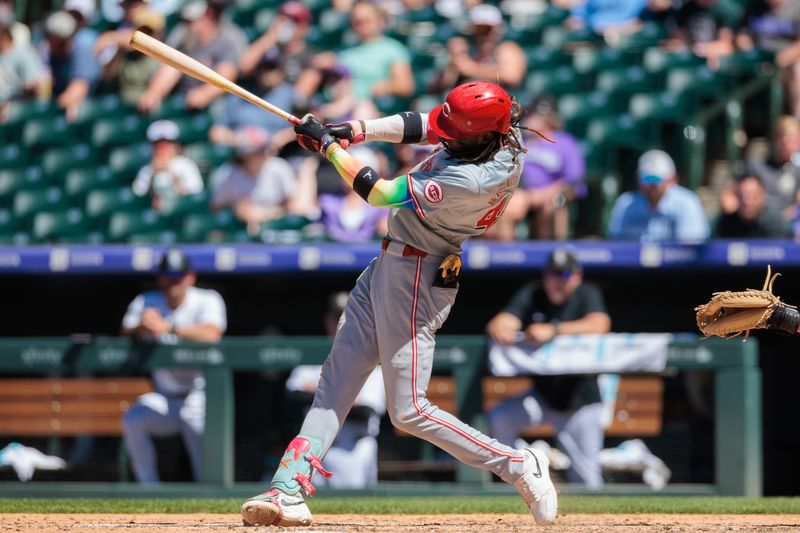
(562, 260)
(251, 139)
(194, 10)
(61, 25)
(146, 17)
(174, 263)
(485, 15)
(655, 166)
(86, 8)
(162, 130)
(296, 11)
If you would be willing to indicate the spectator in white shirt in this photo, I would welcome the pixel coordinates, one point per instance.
(169, 174)
(257, 185)
(178, 311)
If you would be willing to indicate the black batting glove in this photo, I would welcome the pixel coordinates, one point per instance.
(312, 135)
(345, 133)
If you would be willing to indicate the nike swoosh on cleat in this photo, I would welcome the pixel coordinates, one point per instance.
(538, 472)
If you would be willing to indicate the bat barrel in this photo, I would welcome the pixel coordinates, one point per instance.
(191, 67)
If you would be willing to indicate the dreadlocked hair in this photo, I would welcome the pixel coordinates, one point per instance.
(496, 142)
(513, 138)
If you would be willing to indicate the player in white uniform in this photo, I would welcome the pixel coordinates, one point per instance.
(178, 404)
(404, 295)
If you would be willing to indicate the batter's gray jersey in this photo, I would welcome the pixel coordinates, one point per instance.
(454, 200)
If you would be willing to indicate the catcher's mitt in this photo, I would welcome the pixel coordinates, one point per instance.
(730, 314)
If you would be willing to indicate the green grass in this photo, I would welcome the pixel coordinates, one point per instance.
(413, 505)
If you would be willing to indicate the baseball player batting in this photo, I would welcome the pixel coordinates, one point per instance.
(404, 296)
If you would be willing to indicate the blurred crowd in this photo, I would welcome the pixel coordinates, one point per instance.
(82, 51)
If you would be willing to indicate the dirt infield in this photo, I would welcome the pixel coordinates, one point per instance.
(512, 523)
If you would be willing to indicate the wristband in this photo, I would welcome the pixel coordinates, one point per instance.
(325, 142)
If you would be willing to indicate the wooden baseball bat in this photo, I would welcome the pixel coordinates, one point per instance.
(191, 67)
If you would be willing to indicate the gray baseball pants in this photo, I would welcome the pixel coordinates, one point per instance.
(391, 318)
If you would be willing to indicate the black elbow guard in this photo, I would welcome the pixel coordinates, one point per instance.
(412, 127)
(784, 319)
(364, 182)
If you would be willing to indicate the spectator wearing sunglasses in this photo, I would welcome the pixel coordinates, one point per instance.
(563, 303)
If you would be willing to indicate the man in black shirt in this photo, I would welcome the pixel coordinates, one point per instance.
(753, 218)
(561, 304)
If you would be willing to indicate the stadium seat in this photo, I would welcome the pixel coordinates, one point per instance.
(318, 6)
(13, 156)
(657, 60)
(746, 62)
(191, 203)
(694, 80)
(592, 60)
(21, 111)
(165, 237)
(552, 16)
(665, 106)
(562, 80)
(125, 161)
(100, 203)
(200, 227)
(112, 132)
(9, 224)
(81, 181)
(171, 108)
(577, 109)
(560, 37)
(614, 131)
(194, 128)
(649, 35)
(18, 238)
(13, 180)
(52, 226)
(543, 58)
(246, 9)
(28, 203)
(101, 107)
(122, 224)
(623, 81)
(207, 155)
(554, 37)
(261, 21)
(48, 131)
(56, 162)
(285, 230)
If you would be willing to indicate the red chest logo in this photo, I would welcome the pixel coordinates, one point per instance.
(433, 191)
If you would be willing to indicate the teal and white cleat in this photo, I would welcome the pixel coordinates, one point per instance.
(284, 504)
(275, 508)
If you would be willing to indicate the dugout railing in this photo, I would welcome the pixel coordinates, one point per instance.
(737, 416)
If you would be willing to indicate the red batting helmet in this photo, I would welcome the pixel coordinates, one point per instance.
(470, 109)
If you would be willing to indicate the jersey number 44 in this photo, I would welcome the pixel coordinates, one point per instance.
(492, 215)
